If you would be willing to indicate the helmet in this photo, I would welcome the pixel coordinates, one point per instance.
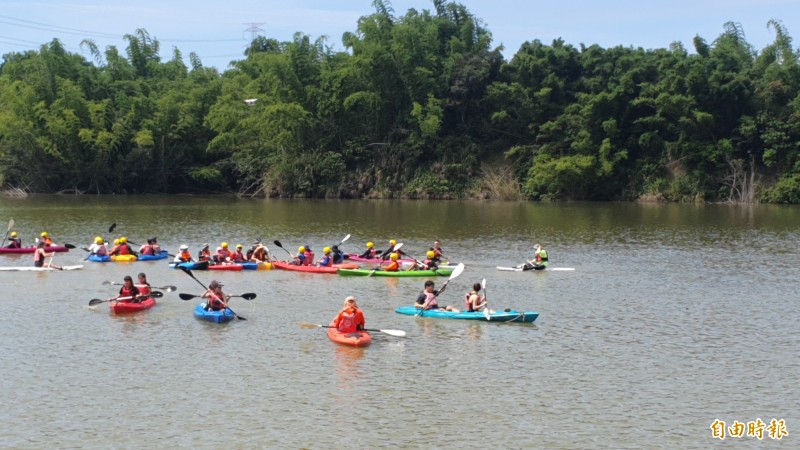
(116, 241)
(326, 250)
(370, 244)
(393, 242)
(184, 247)
(44, 233)
(393, 256)
(224, 245)
(301, 249)
(239, 246)
(536, 246)
(98, 240)
(430, 254)
(123, 240)
(205, 246)
(13, 234)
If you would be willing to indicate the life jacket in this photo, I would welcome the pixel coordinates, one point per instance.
(156, 248)
(124, 249)
(308, 258)
(541, 256)
(338, 257)
(126, 291)
(48, 241)
(250, 253)
(430, 298)
(347, 321)
(204, 255)
(429, 264)
(238, 256)
(326, 261)
(147, 249)
(185, 256)
(393, 266)
(144, 289)
(468, 303)
(15, 243)
(215, 303)
(38, 258)
(100, 250)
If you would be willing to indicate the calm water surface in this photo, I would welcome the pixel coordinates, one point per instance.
(675, 316)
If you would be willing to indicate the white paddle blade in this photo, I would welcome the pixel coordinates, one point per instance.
(397, 247)
(486, 313)
(345, 238)
(483, 285)
(399, 333)
(457, 271)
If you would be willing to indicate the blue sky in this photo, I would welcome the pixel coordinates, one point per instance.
(216, 30)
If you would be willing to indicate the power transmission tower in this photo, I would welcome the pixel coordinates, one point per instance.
(254, 30)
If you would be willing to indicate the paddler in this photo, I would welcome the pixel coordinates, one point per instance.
(39, 255)
(128, 293)
(370, 252)
(350, 319)
(217, 300)
(16, 242)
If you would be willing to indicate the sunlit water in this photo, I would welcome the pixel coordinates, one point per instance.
(675, 316)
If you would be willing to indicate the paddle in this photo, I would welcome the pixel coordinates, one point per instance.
(247, 296)
(394, 249)
(163, 288)
(486, 312)
(389, 332)
(456, 272)
(189, 272)
(338, 245)
(11, 225)
(111, 228)
(97, 301)
(278, 243)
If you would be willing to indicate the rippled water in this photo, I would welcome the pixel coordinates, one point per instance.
(675, 316)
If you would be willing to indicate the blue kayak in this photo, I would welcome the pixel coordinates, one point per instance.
(158, 256)
(97, 258)
(203, 265)
(220, 316)
(499, 316)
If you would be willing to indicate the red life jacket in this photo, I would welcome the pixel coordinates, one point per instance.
(147, 249)
(430, 298)
(309, 258)
(124, 249)
(144, 289)
(126, 291)
(347, 321)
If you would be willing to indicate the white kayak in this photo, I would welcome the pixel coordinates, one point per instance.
(38, 269)
(522, 269)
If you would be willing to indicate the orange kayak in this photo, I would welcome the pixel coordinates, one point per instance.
(357, 339)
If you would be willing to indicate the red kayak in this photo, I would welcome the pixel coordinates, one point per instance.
(130, 307)
(355, 339)
(313, 269)
(17, 251)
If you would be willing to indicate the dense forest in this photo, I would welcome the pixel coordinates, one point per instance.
(416, 106)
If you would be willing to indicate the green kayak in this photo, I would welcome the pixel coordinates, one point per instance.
(404, 273)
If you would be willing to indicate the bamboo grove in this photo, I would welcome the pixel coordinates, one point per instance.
(415, 106)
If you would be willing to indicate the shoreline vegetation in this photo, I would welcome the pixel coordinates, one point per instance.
(418, 106)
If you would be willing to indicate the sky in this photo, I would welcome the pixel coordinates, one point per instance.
(219, 31)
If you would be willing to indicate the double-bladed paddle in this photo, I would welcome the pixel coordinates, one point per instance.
(163, 288)
(189, 272)
(247, 296)
(389, 332)
(97, 301)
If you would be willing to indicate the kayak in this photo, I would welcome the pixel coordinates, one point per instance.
(17, 251)
(523, 269)
(155, 257)
(38, 269)
(203, 265)
(98, 258)
(356, 339)
(229, 267)
(220, 316)
(251, 265)
(383, 273)
(131, 307)
(499, 316)
(123, 258)
(313, 269)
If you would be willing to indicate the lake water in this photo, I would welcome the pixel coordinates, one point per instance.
(675, 316)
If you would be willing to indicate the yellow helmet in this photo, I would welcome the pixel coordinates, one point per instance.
(301, 249)
(430, 254)
(370, 244)
(224, 245)
(239, 246)
(326, 250)
(44, 233)
(13, 234)
(393, 256)
(116, 241)
(123, 240)
(393, 242)
(98, 240)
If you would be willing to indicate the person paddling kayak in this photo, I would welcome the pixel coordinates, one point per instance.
(128, 293)
(40, 255)
(350, 319)
(217, 300)
(16, 242)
